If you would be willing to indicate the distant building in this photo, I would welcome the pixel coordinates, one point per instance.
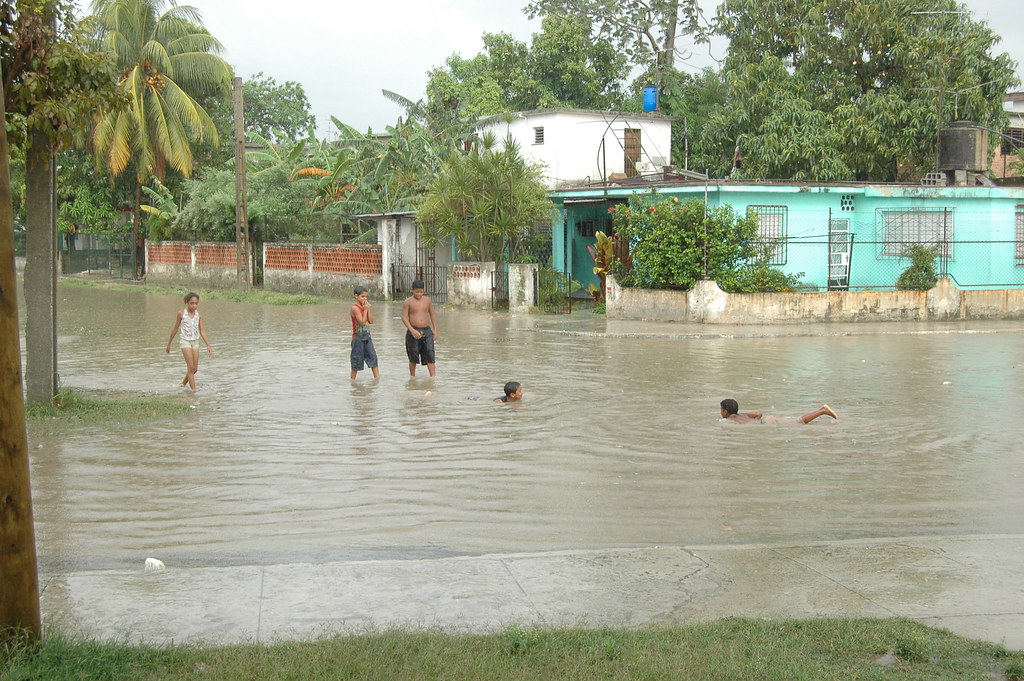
(832, 236)
(581, 147)
(1011, 144)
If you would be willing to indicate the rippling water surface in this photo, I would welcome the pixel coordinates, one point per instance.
(617, 442)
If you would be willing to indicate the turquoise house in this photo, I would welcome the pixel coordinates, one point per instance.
(850, 236)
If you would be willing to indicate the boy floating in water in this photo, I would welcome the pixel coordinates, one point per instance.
(421, 323)
(731, 412)
(513, 392)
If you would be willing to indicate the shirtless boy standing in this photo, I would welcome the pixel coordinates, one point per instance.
(421, 323)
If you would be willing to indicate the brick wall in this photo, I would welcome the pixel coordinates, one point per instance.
(348, 260)
(286, 257)
(216, 254)
(171, 253)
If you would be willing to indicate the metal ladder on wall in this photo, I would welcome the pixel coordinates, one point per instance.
(839, 247)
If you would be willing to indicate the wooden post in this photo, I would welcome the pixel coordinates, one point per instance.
(241, 202)
(19, 578)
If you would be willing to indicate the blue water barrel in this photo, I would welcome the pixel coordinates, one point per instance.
(650, 99)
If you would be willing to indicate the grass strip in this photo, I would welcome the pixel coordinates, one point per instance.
(731, 649)
(256, 296)
(70, 405)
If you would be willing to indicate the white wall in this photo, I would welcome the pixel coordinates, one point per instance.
(572, 152)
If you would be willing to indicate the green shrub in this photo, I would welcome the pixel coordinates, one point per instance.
(674, 244)
(921, 275)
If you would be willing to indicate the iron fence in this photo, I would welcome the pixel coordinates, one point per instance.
(553, 290)
(876, 265)
(109, 255)
(435, 280)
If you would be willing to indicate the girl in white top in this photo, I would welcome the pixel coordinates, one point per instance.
(191, 326)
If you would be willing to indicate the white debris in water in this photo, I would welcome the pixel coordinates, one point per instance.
(946, 382)
(154, 564)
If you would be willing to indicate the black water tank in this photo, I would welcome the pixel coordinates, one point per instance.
(963, 146)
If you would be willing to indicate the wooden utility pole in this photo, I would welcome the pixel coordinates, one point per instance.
(19, 577)
(241, 203)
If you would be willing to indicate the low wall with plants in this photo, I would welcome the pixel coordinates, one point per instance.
(707, 303)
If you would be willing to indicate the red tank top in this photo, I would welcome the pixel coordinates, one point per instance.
(355, 324)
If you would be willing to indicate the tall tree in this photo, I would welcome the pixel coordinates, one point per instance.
(167, 60)
(52, 85)
(277, 112)
(487, 200)
(850, 89)
(562, 67)
(644, 30)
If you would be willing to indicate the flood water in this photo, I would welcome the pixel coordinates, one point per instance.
(617, 443)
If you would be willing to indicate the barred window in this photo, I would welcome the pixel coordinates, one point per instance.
(1012, 141)
(905, 227)
(772, 223)
(538, 135)
(1018, 236)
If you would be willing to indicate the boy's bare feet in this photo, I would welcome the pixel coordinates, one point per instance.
(828, 410)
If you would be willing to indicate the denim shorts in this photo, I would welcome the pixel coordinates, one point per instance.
(363, 352)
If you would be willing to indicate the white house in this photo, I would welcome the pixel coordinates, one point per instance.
(579, 147)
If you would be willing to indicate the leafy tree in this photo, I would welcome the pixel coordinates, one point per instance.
(562, 67)
(692, 99)
(674, 244)
(276, 112)
(486, 200)
(643, 30)
(850, 89)
(52, 84)
(87, 201)
(209, 210)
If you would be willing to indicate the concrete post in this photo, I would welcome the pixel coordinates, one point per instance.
(522, 287)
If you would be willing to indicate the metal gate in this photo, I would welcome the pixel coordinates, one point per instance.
(499, 289)
(435, 280)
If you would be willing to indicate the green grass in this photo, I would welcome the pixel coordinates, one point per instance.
(739, 649)
(257, 296)
(70, 405)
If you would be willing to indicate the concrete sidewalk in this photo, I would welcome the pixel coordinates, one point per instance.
(972, 585)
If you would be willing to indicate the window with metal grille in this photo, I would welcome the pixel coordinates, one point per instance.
(538, 135)
(905, 227)
(1012, 141)
(1018, 236)
(771, 231)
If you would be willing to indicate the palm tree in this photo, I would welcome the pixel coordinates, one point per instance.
(166, 60)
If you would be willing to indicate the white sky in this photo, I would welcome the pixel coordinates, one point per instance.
(344, 53)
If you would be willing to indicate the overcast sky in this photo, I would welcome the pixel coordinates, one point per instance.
(344, 53)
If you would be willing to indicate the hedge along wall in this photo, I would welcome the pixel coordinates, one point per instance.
(707, 303)
(323, 270)
(210, 264)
